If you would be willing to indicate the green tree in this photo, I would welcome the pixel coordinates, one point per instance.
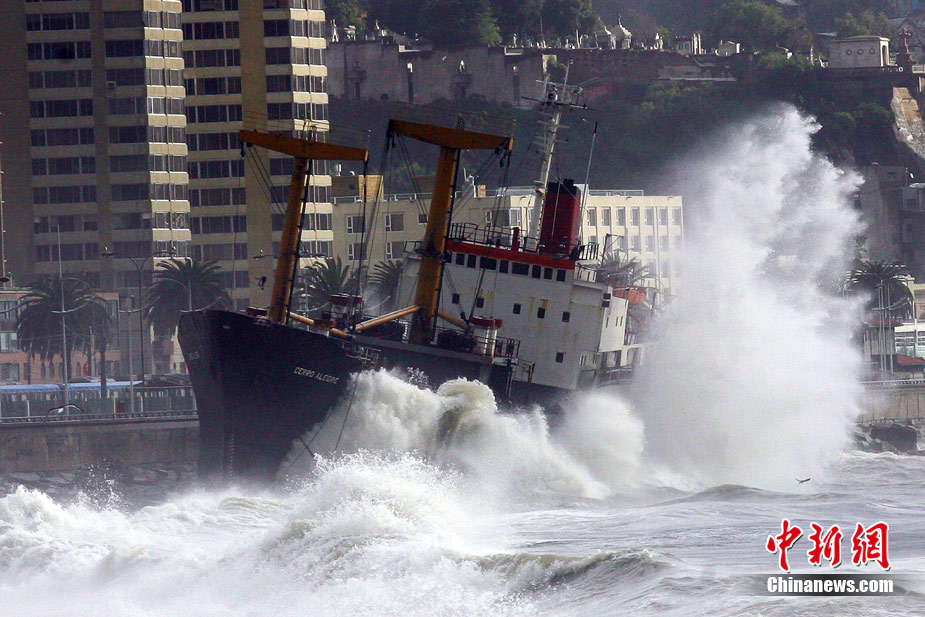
(520, 17)
(345, 12)
(886, 285)
(754, 24)
(56, 309)
(395, 15)
(868, 22)
(561, 18)
(386, 277)
(180, 285)
(325, 278)
(459, 23)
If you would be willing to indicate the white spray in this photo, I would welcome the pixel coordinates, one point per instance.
(753, 379)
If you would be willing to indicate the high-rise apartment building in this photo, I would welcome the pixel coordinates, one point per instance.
(93, 127)
(254, 64)
(100, 105)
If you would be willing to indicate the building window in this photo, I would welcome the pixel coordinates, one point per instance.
(480, 302)
(470, 261)
(355, 224)
(356, 251)
(621, 217)
(455, 299)
(676, 216)
(422, 218)
(547, 274)
(592, 217)
(650, 216)
(650, 244)
(536, 271)
(605, 217)
(541, 313)
(663, 216)
(394, 250)
(560, 357)
(560, 276)
(516, 309)
(566, 316)
(503, 266)
(519, 268)
(634, 216)
(395, 222)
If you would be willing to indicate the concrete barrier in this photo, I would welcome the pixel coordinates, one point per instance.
(899, 403)
(62, 446)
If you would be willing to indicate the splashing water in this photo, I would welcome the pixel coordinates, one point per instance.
(753, 379)
(587, 455)
(437, 503)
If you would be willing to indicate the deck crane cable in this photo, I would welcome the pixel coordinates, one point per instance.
(265, 183)
(505, 165)
(499, 199)
(479, 172)
(366, 237)
(298, 245)
(405, 158)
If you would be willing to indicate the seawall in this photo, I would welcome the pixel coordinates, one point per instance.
(63, 446)
(899, 401)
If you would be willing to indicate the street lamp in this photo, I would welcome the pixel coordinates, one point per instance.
(139, 266)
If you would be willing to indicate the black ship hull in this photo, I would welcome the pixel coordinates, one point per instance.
(260, 386)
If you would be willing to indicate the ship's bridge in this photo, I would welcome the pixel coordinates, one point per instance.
(501, 248)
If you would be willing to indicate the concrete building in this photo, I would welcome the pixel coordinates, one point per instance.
(627, 223)
(382, 69)
(257, 64)
(859, 52)
(893, 211)
(94, 139)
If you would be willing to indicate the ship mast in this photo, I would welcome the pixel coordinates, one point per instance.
(316, 147)
(558, 97)
(452, 132)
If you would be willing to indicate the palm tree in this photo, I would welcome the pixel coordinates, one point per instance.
(886, 284)
(180, 285)
(386, 277)
(325, 278)
(60, 315)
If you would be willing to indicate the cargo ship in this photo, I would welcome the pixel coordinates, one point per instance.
(556, 320)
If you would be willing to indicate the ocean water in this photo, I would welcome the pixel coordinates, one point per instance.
(505, 516)
(655, 500)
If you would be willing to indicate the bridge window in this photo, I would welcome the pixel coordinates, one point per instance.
(455, 299)
(502, 267)
(470, 261)
(536, 272)
(566, 316)
(560, 357)
(479, 302)
(488, 263)
(519, 268)
(541, 313)
(547, 274)
(560, 275)
(460, 259)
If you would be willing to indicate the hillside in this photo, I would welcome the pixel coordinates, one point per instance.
(684, 16)
(637, 140)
